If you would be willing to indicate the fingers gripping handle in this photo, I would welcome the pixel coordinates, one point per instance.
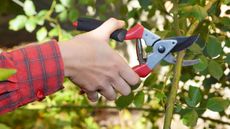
(88, 24)
(142, 70)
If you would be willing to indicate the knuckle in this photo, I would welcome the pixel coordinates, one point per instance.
(102, 84)
(91, 88)
(114, 21)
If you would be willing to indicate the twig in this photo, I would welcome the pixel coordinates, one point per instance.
(215, 120)
(79, 107)
(106, 107)
(18, 2)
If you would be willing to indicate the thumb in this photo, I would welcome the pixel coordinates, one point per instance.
(109, 26)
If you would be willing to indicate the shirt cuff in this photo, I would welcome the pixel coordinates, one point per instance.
(40, 71)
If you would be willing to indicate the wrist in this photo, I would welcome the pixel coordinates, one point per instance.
(65, 57)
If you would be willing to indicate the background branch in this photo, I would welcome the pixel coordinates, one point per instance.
(178, 66)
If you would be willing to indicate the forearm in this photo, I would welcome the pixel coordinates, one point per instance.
(40, 72)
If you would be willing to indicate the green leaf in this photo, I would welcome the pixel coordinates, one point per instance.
(213, 46)
(195, 48)
(59, 8)
(215, 69)
(226, 1)
(227, 59)
(178, 108)
(3, 126)
(139, 99)
(202, 65)
(66, 36)
(190, 118)
(73, 14)
(17, 23)
(6, 73)
(150, 80)
(227, 42)
(195, 96)
(53, 32)
(30, 25)
(63, 16)
(29, 8)
(66, 3)
(40, 17)
(196, 11)
(41, 34)
(144, 3)
(161, 97)
(124, 101)
(217, 104)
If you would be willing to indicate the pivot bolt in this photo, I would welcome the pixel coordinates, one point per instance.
(161, 49)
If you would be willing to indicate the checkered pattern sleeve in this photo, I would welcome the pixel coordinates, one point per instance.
(40, 72)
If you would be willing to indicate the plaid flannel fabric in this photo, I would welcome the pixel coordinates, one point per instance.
(40, 72)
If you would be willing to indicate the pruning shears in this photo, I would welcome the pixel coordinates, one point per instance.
(162, 49)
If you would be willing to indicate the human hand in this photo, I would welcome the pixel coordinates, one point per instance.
(94, 66)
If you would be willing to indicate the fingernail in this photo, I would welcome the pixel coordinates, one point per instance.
(94, 99)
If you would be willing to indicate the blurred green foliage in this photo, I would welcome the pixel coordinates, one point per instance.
(66, 109)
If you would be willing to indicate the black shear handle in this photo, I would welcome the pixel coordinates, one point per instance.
(88, 24)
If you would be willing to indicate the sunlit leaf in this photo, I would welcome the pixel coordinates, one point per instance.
(217, 104)
(66, 36)
(59, 8)
(53, 32)
(63, 15)
(3, 126)
(41, 17)
(29, 8)
(41, 34)
(226, 1)
(17, 23)
(30, 25)
(66, 3)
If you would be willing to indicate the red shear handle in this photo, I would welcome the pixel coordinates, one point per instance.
(135, 32)
(142, 70)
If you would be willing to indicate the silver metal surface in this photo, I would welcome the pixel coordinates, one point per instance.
(139, 50)
(171, 59)
(155, 57)
(149, 37)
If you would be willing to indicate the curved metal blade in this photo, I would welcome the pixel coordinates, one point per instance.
(184, 42)
(171, 59)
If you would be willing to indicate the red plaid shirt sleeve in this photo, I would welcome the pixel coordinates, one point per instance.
(40, 72)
